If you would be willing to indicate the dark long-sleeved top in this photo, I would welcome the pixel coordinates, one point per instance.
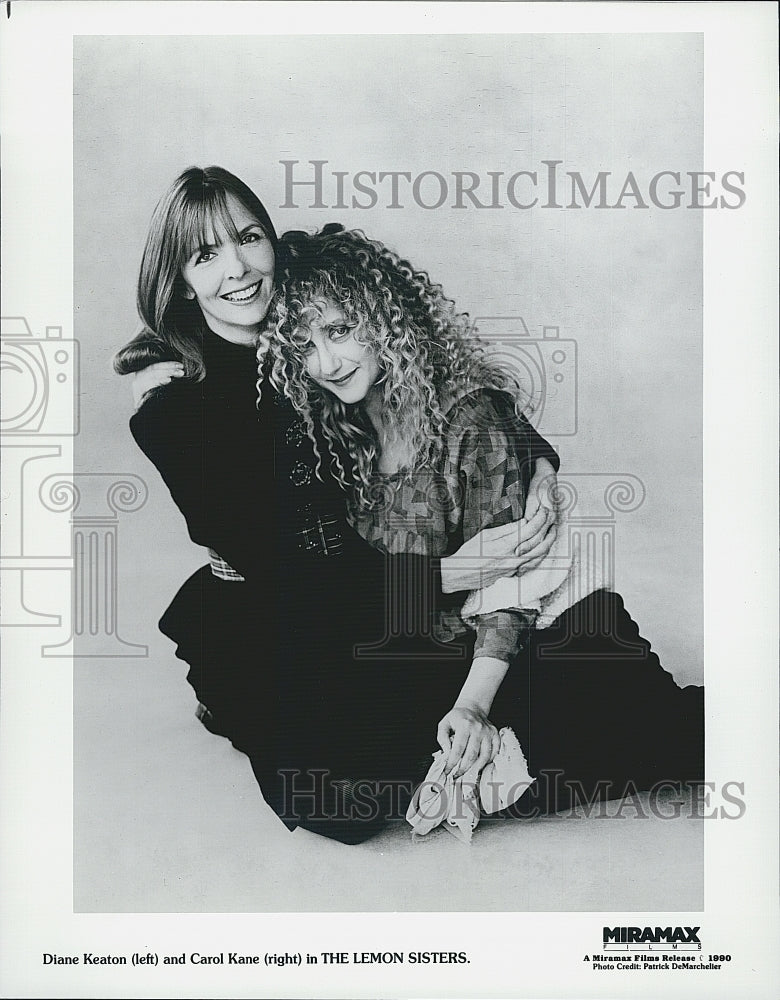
(244, 476)
(314, 590)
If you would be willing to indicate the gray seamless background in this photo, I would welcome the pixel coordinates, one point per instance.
(626, 285)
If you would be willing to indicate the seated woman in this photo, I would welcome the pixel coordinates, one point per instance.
(268, 628)
(424, 435)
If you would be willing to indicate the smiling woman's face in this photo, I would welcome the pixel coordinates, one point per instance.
(232, 277)
(335, 359)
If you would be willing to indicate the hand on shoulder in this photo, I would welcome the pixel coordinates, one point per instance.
(152, 377)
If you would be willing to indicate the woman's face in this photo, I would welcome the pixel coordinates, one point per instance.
(231, 278)
(334, 359)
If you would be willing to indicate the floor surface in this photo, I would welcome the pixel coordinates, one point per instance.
(168, 818)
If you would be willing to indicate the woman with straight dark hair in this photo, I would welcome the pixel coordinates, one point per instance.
(303, 644)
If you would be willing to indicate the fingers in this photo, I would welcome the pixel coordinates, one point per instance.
(540, 550)
(159, 374)
(497, 541)
(481, 748)
(543, 481)
(533, 559)
(487, 751)
(173, 368)
(483, 756)
(536, 531)
(500, 531)
(470, 755)
(443, 735)
(532, 506)
(533, 524)
(153, 376)
(468, 743)
(460, 740)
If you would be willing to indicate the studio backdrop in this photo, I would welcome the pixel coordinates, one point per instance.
(549, 183)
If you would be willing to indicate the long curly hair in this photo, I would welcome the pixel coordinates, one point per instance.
(193, 207)
(428, 353)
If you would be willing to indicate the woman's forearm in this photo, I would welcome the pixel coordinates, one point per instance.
(482, 683)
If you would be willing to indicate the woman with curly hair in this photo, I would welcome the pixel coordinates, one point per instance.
(426, 436)
(268, 627)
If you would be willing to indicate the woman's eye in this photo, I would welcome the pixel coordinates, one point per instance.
(204, 256)
(340, 332)
(252, 237)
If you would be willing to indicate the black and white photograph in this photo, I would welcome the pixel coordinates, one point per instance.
(388, 544)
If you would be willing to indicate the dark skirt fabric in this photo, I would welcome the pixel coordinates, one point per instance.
(317, 697)
(339, 722)
(596, 713)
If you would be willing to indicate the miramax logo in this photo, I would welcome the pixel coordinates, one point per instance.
(653, 935)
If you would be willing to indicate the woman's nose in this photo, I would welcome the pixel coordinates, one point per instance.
(235, 262)
(329, 362)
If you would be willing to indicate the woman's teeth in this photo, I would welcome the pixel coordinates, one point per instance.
(243, 295)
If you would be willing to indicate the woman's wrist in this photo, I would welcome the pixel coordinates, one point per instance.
(482, 683)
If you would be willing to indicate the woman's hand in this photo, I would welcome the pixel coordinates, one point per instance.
(505, 550)
(153, 376)
(541, 489)
(468, 738)
(540, 503)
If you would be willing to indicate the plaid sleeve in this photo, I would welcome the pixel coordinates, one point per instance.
(495, 458)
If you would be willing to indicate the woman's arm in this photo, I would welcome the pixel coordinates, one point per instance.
(496, 458)
(505, 550)
(227, 503)
(466, 734)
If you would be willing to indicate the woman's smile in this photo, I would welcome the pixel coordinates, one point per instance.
(343, 380)
(244, 295)
(232, 276)
(335, 359)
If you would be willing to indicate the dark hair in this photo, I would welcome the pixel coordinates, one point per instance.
(183, 220)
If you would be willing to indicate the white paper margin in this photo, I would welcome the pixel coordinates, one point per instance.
(511, 955)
